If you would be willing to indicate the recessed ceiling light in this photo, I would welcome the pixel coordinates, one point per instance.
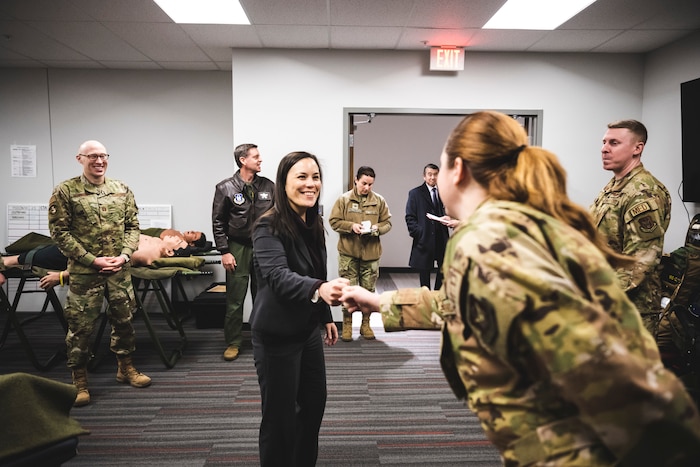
(204, 11)
(535, 14)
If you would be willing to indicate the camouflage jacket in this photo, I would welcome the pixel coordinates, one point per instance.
(351, 208)
(538, 336)
(634, 213)
(88, 221)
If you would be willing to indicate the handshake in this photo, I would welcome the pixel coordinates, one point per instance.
(353, 297)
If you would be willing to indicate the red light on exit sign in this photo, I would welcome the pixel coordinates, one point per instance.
(447, 58)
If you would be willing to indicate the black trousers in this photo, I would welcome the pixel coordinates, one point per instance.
(47, 257)
(424, 276)
(292, 378)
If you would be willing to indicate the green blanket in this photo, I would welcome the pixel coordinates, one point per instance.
(28, 243)
(34, 412)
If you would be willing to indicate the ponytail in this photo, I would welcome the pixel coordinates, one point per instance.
(494, 146)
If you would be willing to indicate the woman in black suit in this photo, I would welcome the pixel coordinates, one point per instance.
(291, 304)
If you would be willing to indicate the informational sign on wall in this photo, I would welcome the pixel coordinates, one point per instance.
(25, 218)
(23, 160)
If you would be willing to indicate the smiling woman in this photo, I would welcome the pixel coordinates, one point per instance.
(291, 304)
(303, 186)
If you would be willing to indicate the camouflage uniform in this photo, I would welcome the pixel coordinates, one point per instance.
(89, 221)
(359, 254)
(539, 337)
(634, 213)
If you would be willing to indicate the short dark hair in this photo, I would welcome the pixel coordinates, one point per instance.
(242, 151)
(430, 166)
(365, 170)
(634, 126)
(201, 241)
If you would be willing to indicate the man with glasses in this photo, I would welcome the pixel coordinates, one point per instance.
(93, 220)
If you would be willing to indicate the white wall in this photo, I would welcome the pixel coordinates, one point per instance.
(291, 100)
(665, 70)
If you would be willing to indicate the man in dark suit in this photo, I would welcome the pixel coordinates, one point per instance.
(429, 235)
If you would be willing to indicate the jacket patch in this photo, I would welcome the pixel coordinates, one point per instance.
(264, 195)
(238, 198)
(647, 224)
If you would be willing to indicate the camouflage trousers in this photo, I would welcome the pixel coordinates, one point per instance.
(358, 272)
(84, 302)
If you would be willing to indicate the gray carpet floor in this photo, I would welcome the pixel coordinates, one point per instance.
(388, 402)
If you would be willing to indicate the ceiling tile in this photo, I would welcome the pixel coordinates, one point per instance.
(504, 41)
(451, 14)
(370, 12)
(577, 41)
(304, 37)
(139, 11)
(676, 14)
(300, 12)
(343, 37)
(220, 35)
(159, 41)
(639, 41)
(43, 10)
(29, 42)
(613, 14)
(90, 39)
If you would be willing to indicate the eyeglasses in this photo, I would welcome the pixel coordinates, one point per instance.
(94, 157)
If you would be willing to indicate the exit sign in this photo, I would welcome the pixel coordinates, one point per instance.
(447, 58)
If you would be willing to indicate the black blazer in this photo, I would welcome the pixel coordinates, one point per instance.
(282, 305)
(429, 237)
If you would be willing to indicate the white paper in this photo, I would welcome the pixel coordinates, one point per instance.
(23, 160)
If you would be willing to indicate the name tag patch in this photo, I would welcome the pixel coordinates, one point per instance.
(639, 208)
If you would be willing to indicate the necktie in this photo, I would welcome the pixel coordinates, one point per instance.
(434, 196)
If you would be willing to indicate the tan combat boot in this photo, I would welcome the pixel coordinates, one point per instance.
(80, 381)
(365, 330)
(126, 373)
(347, 327)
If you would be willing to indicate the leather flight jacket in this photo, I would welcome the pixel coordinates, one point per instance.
(235, 209)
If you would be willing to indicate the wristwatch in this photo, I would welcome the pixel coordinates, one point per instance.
(126, 257)
(315, 297)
